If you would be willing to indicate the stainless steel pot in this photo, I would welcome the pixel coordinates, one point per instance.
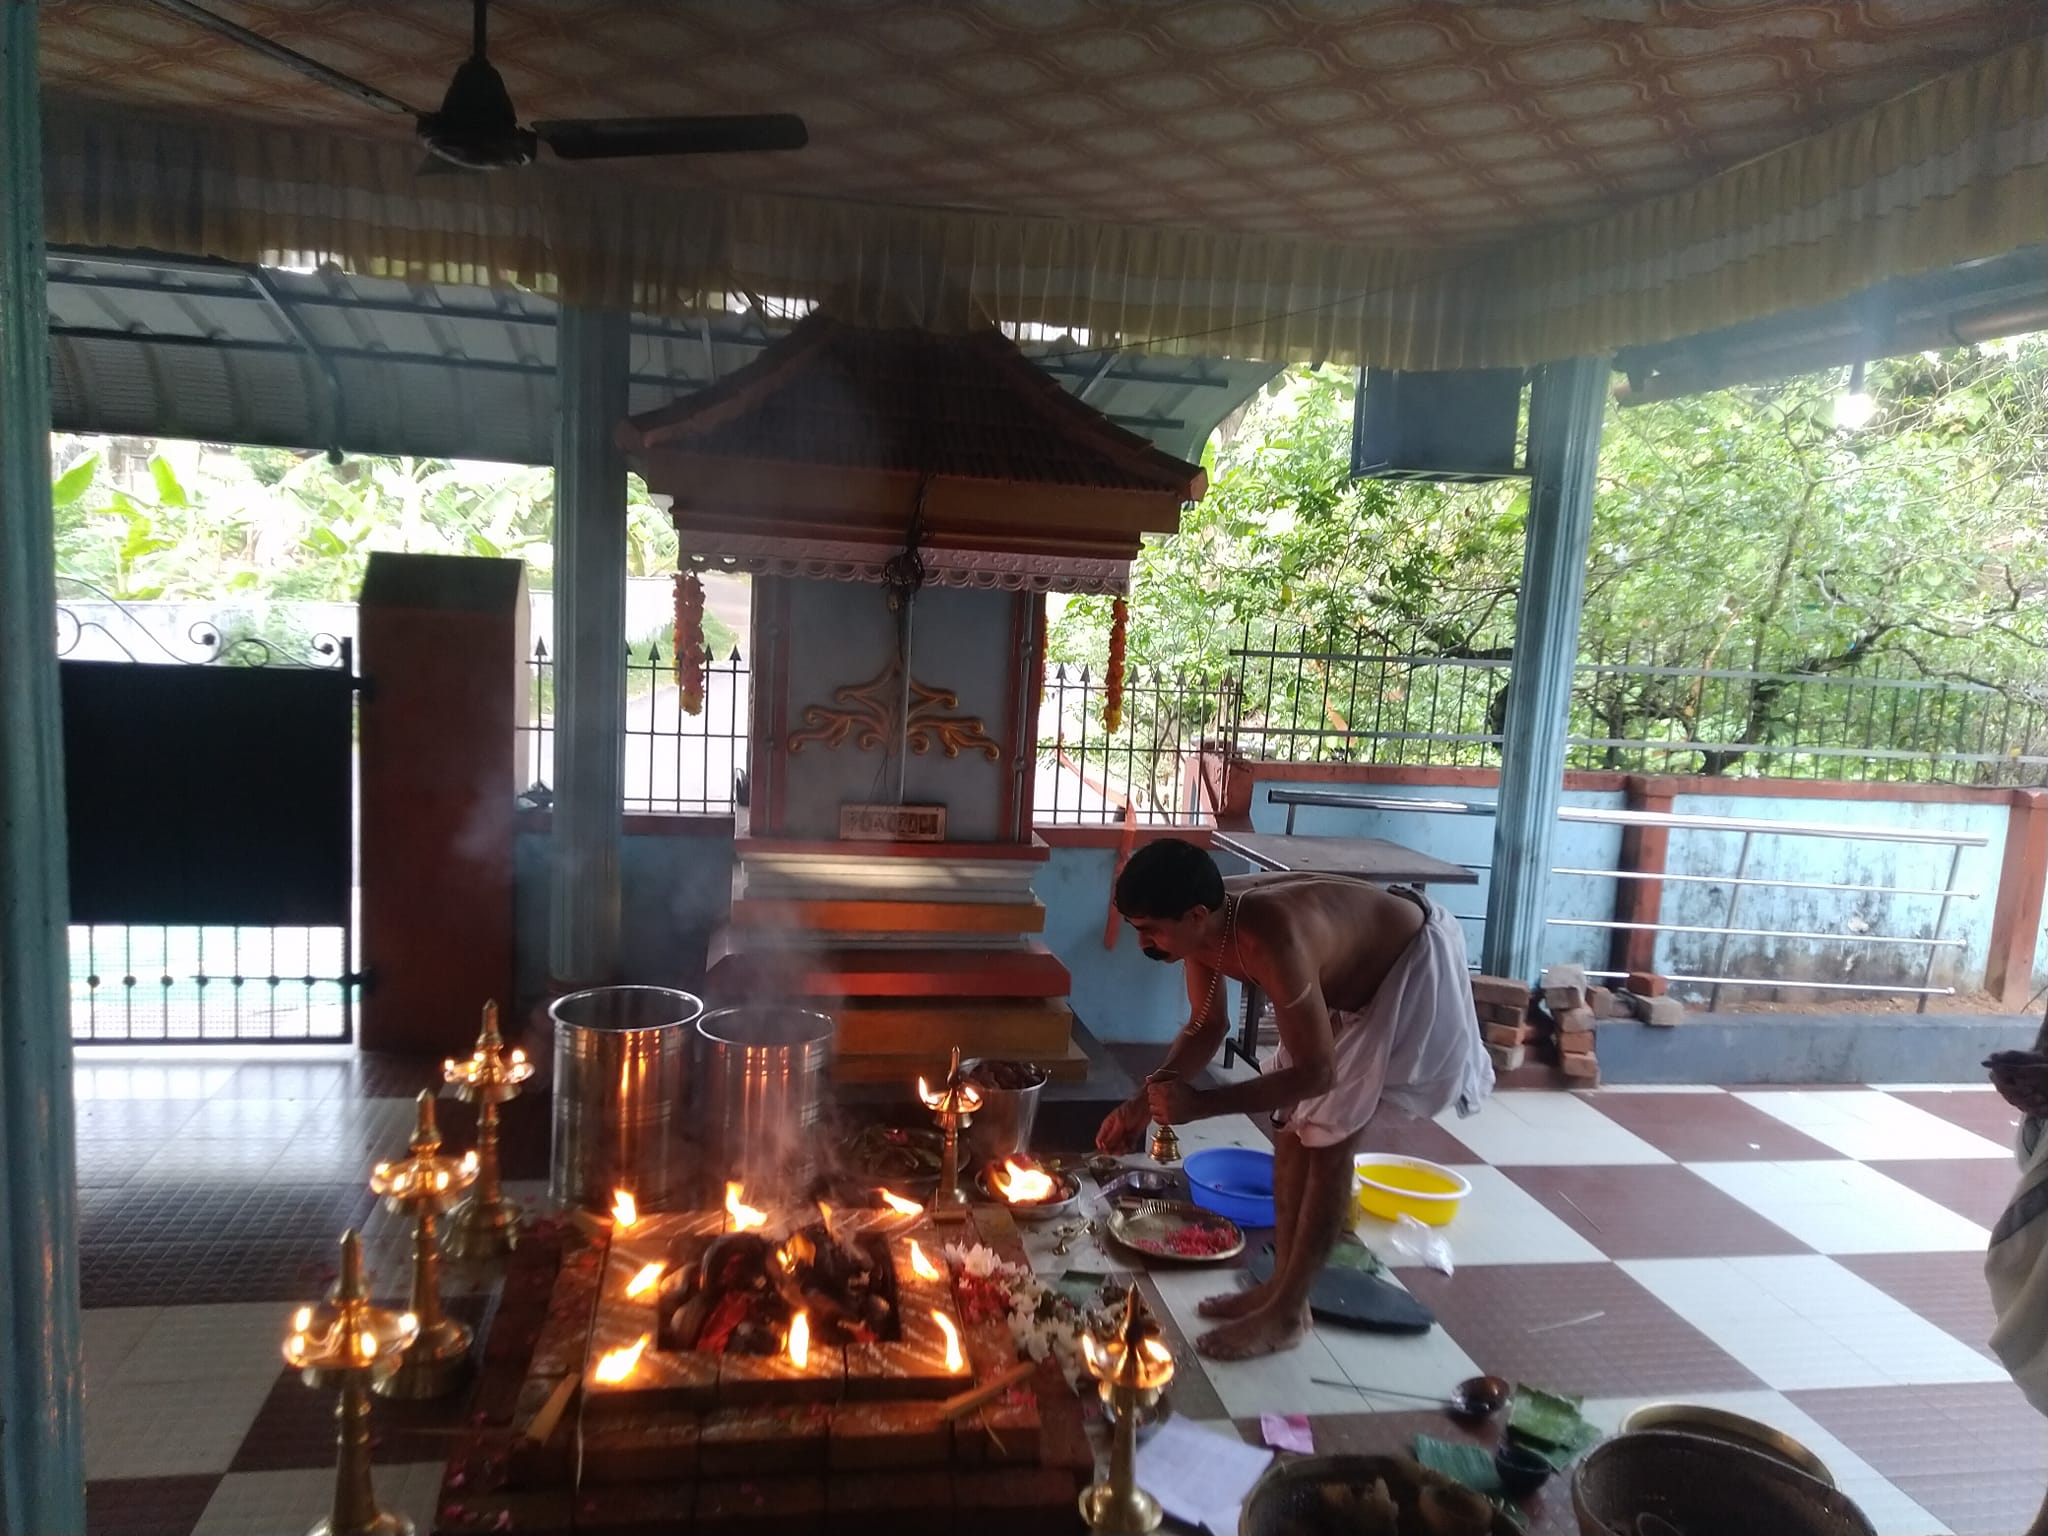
(622, 1087)
(1002, 1126)
(763, 1072)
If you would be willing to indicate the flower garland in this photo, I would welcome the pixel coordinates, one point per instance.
(1113, 681)
(691, 655)
(1044, 1323)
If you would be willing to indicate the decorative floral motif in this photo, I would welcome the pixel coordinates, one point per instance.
(865, 713)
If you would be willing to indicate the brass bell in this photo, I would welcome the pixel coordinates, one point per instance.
(1165, 1145)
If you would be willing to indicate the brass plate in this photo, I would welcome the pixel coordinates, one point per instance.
(1149, 1225)
(1719, 1424)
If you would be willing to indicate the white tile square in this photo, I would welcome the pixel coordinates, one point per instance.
(165, 1429)
(1498, 1223)
(1804, 1322)
(109, 1336)
(1845, 1207)
(270, 1503)
(1282, 1383)
(1543, 1129)
(1221, 1131)
(236, 1341)
(1868, 1124)
(1888, 1509)
(1608, 1088)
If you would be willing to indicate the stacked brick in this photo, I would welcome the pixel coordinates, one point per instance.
(1569, 1005)
(1505, 1020)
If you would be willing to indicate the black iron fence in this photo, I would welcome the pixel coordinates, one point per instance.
(676, 761)
(1145, 769)
(1301, 699)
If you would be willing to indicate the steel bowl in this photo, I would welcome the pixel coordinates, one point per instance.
(1066, 1195)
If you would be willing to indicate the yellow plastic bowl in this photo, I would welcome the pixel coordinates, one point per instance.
(1390, 1187)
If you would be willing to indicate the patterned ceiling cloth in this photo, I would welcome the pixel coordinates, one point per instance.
(1270, 179)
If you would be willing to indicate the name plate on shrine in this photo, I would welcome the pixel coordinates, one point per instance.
(892, 823)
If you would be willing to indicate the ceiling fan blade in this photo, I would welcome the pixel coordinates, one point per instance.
(291, 58)
(610, 138)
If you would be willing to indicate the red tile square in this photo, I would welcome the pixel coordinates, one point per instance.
(1654, 1211)
(147, 1506)
(1520, 1321)
(1405, 1136)
(1975, 1187)
(1985, 1113)
(1981, 1430)
(1972, 1504)
(1945, 1288)
(1707, 1127)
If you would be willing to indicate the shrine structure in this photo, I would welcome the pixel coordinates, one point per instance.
(904, 501)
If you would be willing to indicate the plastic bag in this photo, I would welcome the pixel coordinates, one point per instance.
(1413, 1240)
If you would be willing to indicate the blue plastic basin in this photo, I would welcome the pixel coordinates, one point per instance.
(1235, 1182)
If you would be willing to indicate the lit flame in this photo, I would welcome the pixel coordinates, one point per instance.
(645, 1280)
(295, 1348)
(800, 1250)
(448, 1067)
(800, 1340)
(969, 1101)
(1021, 1186)
(302, 1319)
(899, 1205)
(625, 1209)
(1158, 1351)
(469, 1161)
(921, 1266)
(825, 1216)
(518, 1056)
(1091, 1349)
(615, 1365)
(367, 1342)
(744, 1217)
(407, 1323)
(954, 1360)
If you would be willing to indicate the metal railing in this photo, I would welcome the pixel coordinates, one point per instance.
(1750, 828)
(1409, 702)
(1088, 775)
(675, 762)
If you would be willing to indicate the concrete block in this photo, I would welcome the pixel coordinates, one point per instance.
(1664, 1012)
(1506, 1058)
(1607, 1003)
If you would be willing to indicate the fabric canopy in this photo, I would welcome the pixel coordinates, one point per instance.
(1952, 171)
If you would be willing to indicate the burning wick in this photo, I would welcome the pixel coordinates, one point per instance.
(899, 1205)
(615, 1365)
(625, 1210)
(645, 1280)
(1022, 1186)
(921, 1266)
(954, 1360)
(1158, 1351)
(799, 1340)
(744, 1217)
(968, 1102)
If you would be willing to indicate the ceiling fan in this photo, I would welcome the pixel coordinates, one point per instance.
(477, 129)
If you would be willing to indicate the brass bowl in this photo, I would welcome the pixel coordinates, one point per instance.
(1286, 1499)
(1719, 1424)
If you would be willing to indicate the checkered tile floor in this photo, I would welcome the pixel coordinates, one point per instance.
(1810, 1258)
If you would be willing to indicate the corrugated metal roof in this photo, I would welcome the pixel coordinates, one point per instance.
(151, 346)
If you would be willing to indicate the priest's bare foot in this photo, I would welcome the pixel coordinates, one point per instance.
(1265, 1332)
(1242, 1303)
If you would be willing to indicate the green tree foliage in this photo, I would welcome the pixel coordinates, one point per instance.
(1741, 530)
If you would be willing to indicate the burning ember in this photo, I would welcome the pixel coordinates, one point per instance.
(625, 1209)
(645, 1280)
(954, 1359)
(969, 1101)
(899, 1205)
(921, 1266)
(744, 1296)
(615, 1365)
(799, 1340)
(1021, 1186)
(744, 1217)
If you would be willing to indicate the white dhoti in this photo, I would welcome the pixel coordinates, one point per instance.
(2016, 1267)
(1416, 1045)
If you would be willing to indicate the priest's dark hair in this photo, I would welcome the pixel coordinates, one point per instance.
(1165, 878)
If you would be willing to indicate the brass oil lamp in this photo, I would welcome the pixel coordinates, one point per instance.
(423, 1186)
(953, 1107)
(1130, 1371)
(486, 1224)
(345, 1342)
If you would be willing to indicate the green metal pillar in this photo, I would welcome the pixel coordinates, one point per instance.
(42, 1469)
(1565, 409)
(590, 638)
